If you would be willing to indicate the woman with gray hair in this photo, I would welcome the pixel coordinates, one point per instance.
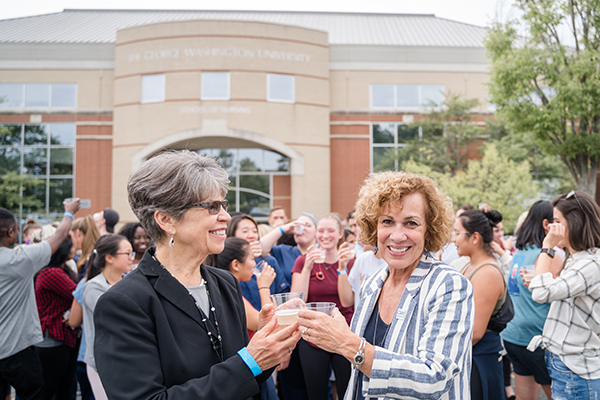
(175, 328)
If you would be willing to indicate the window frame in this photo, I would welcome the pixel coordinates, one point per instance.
(164, 89)
(395, 145)
(420, 106)
(50, 106)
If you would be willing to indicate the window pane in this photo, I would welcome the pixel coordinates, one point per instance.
(34, 161)
(10, 135)
(60, 189)
(153, 88)
(383, 133)
(11, 95)
(407, 133)
(251, 159)
(382, 95)
(36, 135)
(37, 95)
(64, 95)
(432, 93)
(10, 159)
(231, 198)
(215, 86)
(61, 161)
(383, 159)
(255, 182)
(280, 87)
(62, 134)
(276, 162)
(38, 195)
(254, 205)
(407, 95)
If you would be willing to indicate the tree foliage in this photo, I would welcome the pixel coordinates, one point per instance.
(12, 185)
(548, 83)
(504, 184)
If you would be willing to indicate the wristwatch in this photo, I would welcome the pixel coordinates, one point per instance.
(359, 357)
(550, 252)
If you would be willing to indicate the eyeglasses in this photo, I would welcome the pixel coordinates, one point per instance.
(213, 207)
(131, 255)
(572, 194)
(455, 234)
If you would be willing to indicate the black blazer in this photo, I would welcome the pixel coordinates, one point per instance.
(151, 343)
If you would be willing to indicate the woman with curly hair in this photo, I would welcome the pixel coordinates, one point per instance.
(410, 335)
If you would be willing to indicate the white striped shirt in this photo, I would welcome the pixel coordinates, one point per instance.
(572, 327)
(427, 352)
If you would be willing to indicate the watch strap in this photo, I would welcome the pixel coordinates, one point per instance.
(359, 357)
(550, 252)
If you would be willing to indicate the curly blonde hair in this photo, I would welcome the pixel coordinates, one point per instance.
(389, 188)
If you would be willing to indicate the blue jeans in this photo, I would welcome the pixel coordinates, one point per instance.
(566, 384)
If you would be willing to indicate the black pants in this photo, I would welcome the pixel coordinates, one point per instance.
(291, 380)
(23, 371)
(316, 368)
(59, 364)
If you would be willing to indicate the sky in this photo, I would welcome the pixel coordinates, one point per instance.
(476, 12)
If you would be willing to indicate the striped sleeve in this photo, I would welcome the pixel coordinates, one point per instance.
(442, 347)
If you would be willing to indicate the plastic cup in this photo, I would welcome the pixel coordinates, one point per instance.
(256, 249)
(259, 267)
(528, 274)
(287, 306)
(298, 229)
(323, 307)
(321, 259)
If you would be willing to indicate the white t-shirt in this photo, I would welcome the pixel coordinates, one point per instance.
(365, 265)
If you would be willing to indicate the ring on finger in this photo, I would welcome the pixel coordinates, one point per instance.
(305, 331)
(290, 349)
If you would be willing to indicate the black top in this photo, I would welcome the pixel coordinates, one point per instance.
(376, 337)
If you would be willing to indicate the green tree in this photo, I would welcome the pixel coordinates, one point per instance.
(549, 84)
(505, 185)
(449, 137)
(12, 187)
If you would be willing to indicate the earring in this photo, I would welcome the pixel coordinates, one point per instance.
(171, 242)
(375, 250)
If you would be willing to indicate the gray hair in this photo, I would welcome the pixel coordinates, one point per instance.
(311, 217)
(169, 182)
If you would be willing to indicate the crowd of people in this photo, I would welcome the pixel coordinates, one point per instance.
(424, 301)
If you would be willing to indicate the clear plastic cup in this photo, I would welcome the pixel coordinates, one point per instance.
(323, 307)
(256, 249)
(287, 306)
(528, 274)
(259, 267)
(321, 259)
(299, 229)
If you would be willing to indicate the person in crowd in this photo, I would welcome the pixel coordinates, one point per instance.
(319, 281)
(410, 334)
(54, 285)
(473, 236)
(349, 237)
(174, 328)
(530, 370)
(31, 226)
(238, 259)
(110, 261)
(84, 234)
(354, 229)
(571, 334)
(245, 227)
(277, 216)
(366, 264)
(106, 220)
(291, 379)
(139, 239)
(20, 328)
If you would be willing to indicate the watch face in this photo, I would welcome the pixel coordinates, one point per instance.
(358, 359)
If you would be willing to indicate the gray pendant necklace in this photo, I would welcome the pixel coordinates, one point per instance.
(215, 340)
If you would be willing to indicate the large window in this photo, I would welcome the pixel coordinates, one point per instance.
(251, 177)
(280, 88)
(406, 96)
(45, 152)
(215, 86)
(38, 95)
(153, 88)
(386, 141)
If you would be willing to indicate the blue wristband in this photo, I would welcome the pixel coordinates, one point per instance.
(68, 214)
(281, 230)
(250, 361)
(344, 272)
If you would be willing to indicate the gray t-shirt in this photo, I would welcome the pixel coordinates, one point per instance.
(92, 291)
(19, 319)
